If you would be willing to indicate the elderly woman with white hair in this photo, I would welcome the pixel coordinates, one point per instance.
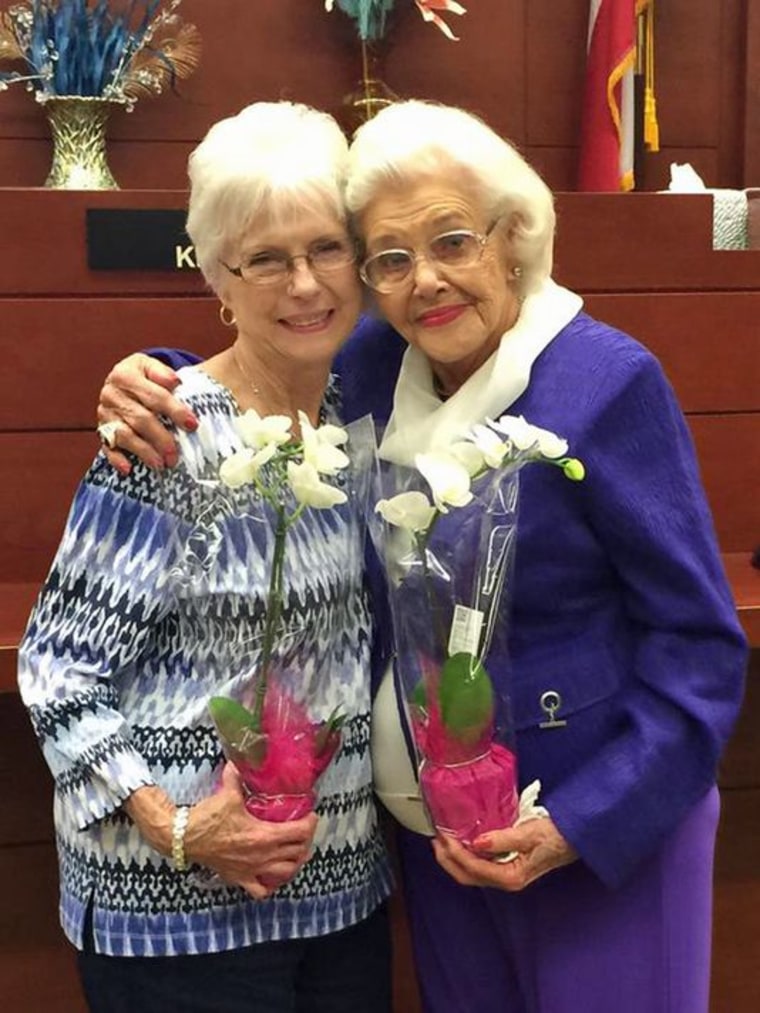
(626, 659)
(117, 672)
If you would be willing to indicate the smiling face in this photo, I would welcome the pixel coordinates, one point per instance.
(454, 315)
(303, 319)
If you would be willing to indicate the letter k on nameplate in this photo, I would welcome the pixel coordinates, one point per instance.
(138, 239)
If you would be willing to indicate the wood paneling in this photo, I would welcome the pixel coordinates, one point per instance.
(96, 332)
(24, 777)
(689, 117)
(752, 95)
(484, 72)
(519, 63)
(646, 242)
(729, 170)
(16, 601)
(728, 448)
(707, 342)
(740, 766)
(37, 965)
(736, 933)
(49, 254)
(744, 579)
(39, 473)
(555, 36)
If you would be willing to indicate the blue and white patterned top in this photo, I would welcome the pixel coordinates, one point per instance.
(151, 606)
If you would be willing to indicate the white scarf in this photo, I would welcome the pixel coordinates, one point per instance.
(420, 421)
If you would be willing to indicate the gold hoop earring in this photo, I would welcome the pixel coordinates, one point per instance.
(517, 271)
(228, 321)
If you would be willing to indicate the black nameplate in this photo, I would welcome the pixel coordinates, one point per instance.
(138, 239)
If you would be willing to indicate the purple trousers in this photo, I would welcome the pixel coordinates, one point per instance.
(568, 944)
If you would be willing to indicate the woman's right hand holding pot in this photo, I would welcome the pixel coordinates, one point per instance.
(257, 855)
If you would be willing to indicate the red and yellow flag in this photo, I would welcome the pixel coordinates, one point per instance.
(607, 123)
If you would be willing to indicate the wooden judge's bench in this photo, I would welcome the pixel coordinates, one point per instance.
(644, 262)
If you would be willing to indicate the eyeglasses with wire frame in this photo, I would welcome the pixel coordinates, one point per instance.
(273, 267)
(390, 269)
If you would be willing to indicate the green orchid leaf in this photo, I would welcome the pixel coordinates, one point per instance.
(330, 727)
(418, 696)
(336, 719)
(231, 718)
(465, 695)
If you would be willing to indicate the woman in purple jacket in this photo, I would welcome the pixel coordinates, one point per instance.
(620, 607)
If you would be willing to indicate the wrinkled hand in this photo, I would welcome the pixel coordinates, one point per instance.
(255, 854)
(135, 392)
(539, 845)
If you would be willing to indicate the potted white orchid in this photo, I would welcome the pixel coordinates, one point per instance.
(447, 552)
(279, 750)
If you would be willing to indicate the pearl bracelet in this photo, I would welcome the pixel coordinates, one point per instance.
(179, 826)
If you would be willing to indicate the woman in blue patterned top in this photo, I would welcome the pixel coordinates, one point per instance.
(117, 665)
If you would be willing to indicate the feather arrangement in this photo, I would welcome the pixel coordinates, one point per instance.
(371, 15)
(98, 48)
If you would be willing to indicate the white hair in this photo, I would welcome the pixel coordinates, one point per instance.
(414, 138)
(273, 160)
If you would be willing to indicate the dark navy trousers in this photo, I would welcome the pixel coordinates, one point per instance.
(343, 972)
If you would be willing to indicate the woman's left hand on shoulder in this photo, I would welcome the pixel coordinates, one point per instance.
(539, 845)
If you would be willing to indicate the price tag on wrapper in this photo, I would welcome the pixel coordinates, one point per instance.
(466, 626)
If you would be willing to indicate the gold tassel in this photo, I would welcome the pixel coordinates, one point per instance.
(645, 11)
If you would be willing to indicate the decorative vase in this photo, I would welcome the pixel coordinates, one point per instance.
(78, 128)
(371, 95)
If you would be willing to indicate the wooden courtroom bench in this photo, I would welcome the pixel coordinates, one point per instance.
(643, 262)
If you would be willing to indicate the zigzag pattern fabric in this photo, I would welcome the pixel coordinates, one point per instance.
(155, 602)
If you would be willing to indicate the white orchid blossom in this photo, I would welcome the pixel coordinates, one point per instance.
(259, 431)
(523, 436)
(237, 469)
(448, 479)
(412, 511)
(469, 455)
(320, 446)
(268, 439)
(243, 466)
(492, 448)
(310, 490)
(334, 435)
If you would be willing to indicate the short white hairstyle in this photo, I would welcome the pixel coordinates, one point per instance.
(415, 138)
(273, 160)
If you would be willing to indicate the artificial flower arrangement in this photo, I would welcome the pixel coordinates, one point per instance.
(279, 749)
(97, 48)
(447, 560)
(371, 15)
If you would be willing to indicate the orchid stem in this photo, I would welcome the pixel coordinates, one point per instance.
(422, 543)
(273, 613)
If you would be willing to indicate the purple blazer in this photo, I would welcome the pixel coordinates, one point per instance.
(619, 602)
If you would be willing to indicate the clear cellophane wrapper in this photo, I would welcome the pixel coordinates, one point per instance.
(224, 561)
(449, 604)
